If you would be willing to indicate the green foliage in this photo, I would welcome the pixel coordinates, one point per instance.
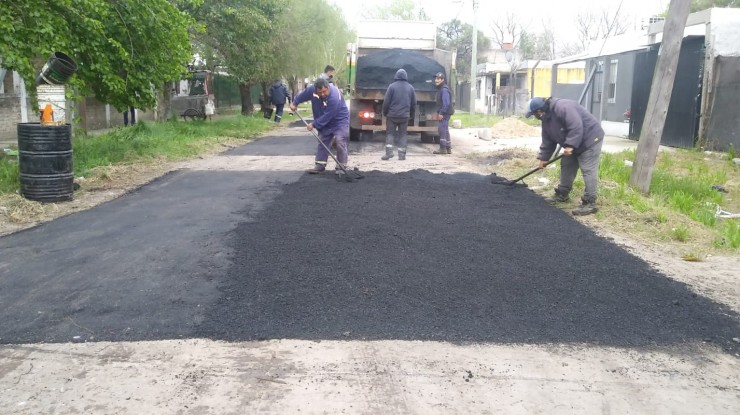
(121, 47)
(698, 5)
(9, 180)
(729, 235)
(396, 10)
(475, 120)
(309, 35)
(455, 34)
(173, 140)
(680, 233)
(238, 34)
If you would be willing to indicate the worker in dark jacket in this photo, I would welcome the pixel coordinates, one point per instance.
(568, 124)
(444, 111)
(399, 104)
(330, 118)
(278, 95)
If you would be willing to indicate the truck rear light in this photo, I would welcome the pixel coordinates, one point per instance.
(367, 115)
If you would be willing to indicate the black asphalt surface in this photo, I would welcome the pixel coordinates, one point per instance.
(236, 255)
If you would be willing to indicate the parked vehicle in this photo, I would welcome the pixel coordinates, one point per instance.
(382, 48)
(192, 94)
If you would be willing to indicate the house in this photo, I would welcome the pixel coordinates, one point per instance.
(504, 84)
(620, 72)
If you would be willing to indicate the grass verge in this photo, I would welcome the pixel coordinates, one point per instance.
(148, 143)
(687, 189)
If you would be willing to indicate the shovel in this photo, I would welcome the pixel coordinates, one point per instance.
(511, 182)
(355, 173)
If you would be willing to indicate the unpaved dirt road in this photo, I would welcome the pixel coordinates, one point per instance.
(327, 376)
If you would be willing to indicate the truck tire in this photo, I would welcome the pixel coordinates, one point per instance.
(429, 138)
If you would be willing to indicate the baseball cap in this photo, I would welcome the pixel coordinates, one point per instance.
(439, 75)
(535, 104)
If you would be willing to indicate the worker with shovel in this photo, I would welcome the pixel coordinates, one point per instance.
(568, 124)
(330, 118)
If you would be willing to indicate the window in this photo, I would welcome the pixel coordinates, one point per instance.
(613, 81)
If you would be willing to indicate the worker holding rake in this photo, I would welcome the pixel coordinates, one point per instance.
(330, 119)
(567, 124)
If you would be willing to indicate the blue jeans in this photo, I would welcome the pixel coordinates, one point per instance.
(443, 128)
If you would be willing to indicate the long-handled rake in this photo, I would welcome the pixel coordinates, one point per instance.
(355, 174)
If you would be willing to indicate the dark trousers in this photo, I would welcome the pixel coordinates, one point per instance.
(396, 130)
(279, 112)
(133, 116)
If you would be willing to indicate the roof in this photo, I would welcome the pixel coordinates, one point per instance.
(614, 45)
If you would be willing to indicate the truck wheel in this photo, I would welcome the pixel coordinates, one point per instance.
(429, 139)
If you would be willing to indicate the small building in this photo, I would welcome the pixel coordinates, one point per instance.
(505, 89)
(620, 71)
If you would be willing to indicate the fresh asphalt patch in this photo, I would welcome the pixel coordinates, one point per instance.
(419, 256)
(245, 255)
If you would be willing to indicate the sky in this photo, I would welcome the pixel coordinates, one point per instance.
(532, 12)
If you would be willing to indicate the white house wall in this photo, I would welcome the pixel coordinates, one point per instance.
(725, 32)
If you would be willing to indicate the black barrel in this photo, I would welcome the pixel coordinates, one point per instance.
(45, 162)
(57, 70)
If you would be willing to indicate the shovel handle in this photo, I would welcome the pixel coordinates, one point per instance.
(537, 169)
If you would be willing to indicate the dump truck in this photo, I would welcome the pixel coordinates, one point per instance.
(382, 48)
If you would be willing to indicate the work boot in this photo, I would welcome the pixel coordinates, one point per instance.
(449, 150)
(560, 197)
(442, 150)
(318, 168)
(586, 208)
(402, 155)
(388, 153)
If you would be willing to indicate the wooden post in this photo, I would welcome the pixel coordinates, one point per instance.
(660, 95)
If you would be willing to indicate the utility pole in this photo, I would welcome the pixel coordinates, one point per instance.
(660, 95)
(474, 60)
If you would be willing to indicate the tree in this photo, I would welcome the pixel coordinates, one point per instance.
(538, 45)
(121, 47)
(596, 25)
(507, 29)
(315, 26)
(457, 35)
(238, 35)
(698, 5)
(396, 10)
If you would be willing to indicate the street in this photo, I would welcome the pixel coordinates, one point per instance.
(239, 284)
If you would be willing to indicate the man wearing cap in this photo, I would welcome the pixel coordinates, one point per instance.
(445, 110)
(330, 118)
(568, 124)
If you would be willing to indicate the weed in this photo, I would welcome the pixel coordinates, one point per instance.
(729, 236)
(680, 233)
(692, 257)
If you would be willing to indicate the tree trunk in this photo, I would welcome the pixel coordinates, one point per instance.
(164, 102)
(660, 96)
(265, 103)
(245, 92)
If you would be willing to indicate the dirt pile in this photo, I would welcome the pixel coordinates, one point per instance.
(513, 127)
